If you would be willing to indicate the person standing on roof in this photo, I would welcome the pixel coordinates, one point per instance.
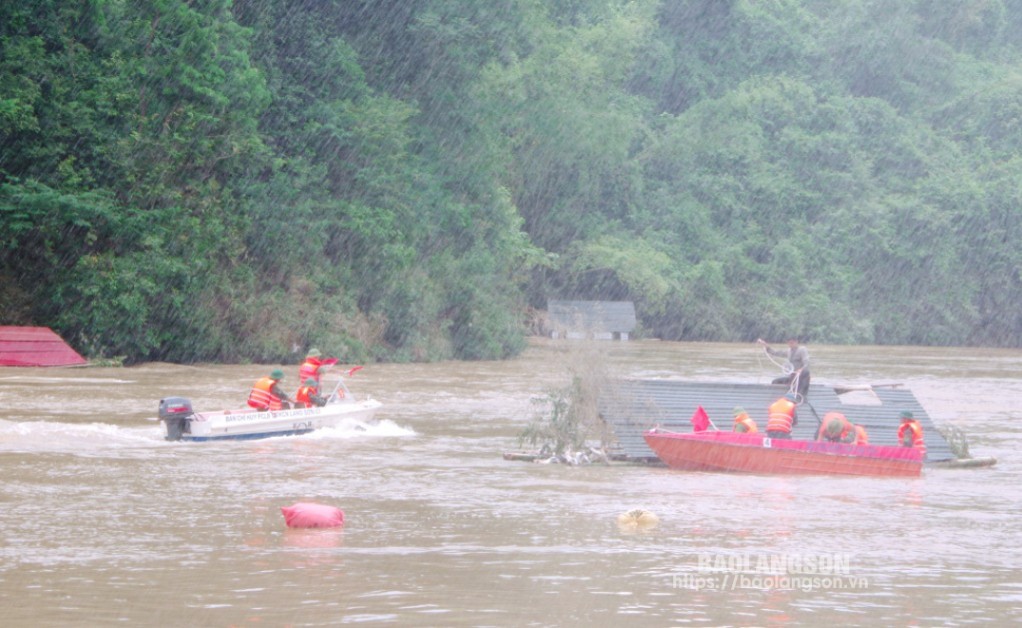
(910, 433)
(267, 394)
(743, 422)
(797, 357)
(781, 417)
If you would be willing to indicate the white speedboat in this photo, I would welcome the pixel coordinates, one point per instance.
(182, 423)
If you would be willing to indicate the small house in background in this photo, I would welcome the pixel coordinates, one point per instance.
(600, 320)
(36, 346)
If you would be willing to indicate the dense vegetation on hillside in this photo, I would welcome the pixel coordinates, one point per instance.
(413, 179)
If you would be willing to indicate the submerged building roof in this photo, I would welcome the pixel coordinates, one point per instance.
(35, 346)
(632, 407)
(591, 317)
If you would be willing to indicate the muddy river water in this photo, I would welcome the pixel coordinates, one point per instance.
(103, 522)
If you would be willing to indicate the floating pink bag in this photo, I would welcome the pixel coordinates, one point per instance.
(309, 515)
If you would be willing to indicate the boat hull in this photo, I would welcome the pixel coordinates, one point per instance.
(756, 453)
(249, 424)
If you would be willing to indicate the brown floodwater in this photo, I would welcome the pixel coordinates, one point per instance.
(104, 522)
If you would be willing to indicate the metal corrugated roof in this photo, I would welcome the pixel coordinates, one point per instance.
(592, 316)
(35, 346)
(631, 407)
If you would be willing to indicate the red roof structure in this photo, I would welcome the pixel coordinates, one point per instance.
(35, 346)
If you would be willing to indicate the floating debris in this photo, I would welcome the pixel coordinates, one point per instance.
(590, 455)
(956, 439)
(637, 519)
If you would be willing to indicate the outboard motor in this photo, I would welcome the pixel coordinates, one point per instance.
(176, 412)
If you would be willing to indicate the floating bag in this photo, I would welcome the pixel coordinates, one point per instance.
(309, 515)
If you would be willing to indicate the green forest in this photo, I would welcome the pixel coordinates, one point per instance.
(413, 180)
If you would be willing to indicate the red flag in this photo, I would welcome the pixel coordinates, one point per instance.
(700, 420)
(354, 370)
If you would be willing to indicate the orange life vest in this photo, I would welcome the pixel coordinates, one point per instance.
(745, 421)
(917, 435)
(861, 438)
(262, 397)
(781, 416)
(310, 368)
(302, 397)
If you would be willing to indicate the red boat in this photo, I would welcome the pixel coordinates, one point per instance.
(756, 453)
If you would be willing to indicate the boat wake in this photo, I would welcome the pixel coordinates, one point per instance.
(350, 428)
(76, 438)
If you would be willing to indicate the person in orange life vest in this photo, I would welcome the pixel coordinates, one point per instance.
(743, 422)
(308, 395)
(781, 417)
(836, 428)
(311, 367)
(267, 394)
(910, 433)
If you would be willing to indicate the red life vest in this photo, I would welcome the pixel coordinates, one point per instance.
(302, 398)
(917, 435)
(781, 416)
(746, 421)
(262, 397)
(310, 368)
